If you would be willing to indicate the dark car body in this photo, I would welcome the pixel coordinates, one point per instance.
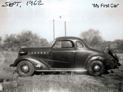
(65, 54)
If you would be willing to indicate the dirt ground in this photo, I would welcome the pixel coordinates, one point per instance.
(70, 82)
(56, 82)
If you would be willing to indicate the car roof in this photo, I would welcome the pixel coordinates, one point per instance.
(67, 37)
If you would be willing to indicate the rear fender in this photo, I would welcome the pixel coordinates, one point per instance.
(36, 62)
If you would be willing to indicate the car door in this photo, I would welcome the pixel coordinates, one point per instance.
(81, 54)
(63, 51)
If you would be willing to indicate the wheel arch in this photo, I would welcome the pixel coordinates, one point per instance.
(33, 60)
(93, 58)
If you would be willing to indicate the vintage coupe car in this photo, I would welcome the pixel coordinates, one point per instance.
(65, 54)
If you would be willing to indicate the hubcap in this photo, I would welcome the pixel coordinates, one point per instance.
(25, 68)
(96, 68)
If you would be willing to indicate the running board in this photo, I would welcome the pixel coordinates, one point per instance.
(64, 70)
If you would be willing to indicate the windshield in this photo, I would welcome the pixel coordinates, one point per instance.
(52, 42)
(86, 44)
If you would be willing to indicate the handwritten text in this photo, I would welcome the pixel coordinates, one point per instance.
(102, 5)
(19, 3)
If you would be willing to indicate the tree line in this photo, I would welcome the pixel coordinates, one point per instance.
(92, 37)
(14, 42)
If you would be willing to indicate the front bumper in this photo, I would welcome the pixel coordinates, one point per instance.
(112, 64)
(118, 64)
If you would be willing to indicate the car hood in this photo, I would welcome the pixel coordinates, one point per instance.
(96, 51)
(34, 50)
(101, 53)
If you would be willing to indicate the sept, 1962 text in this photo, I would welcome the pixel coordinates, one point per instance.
(19, 3)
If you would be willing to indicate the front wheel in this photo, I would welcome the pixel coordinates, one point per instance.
(96, 68)
(25, 68)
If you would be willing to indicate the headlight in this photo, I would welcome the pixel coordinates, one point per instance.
(22, 53)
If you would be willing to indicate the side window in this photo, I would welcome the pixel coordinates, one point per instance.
(63, 44)
(79, 44)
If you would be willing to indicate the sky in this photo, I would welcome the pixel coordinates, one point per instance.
(80, 16)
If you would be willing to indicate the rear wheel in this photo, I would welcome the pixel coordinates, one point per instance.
(25, 68)
(96, 68)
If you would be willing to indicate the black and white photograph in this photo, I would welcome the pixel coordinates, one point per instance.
(61, 46)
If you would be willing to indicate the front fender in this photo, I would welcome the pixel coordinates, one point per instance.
(92, 58)
(36, 62)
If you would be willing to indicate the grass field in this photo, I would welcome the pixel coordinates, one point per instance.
(57, 82)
